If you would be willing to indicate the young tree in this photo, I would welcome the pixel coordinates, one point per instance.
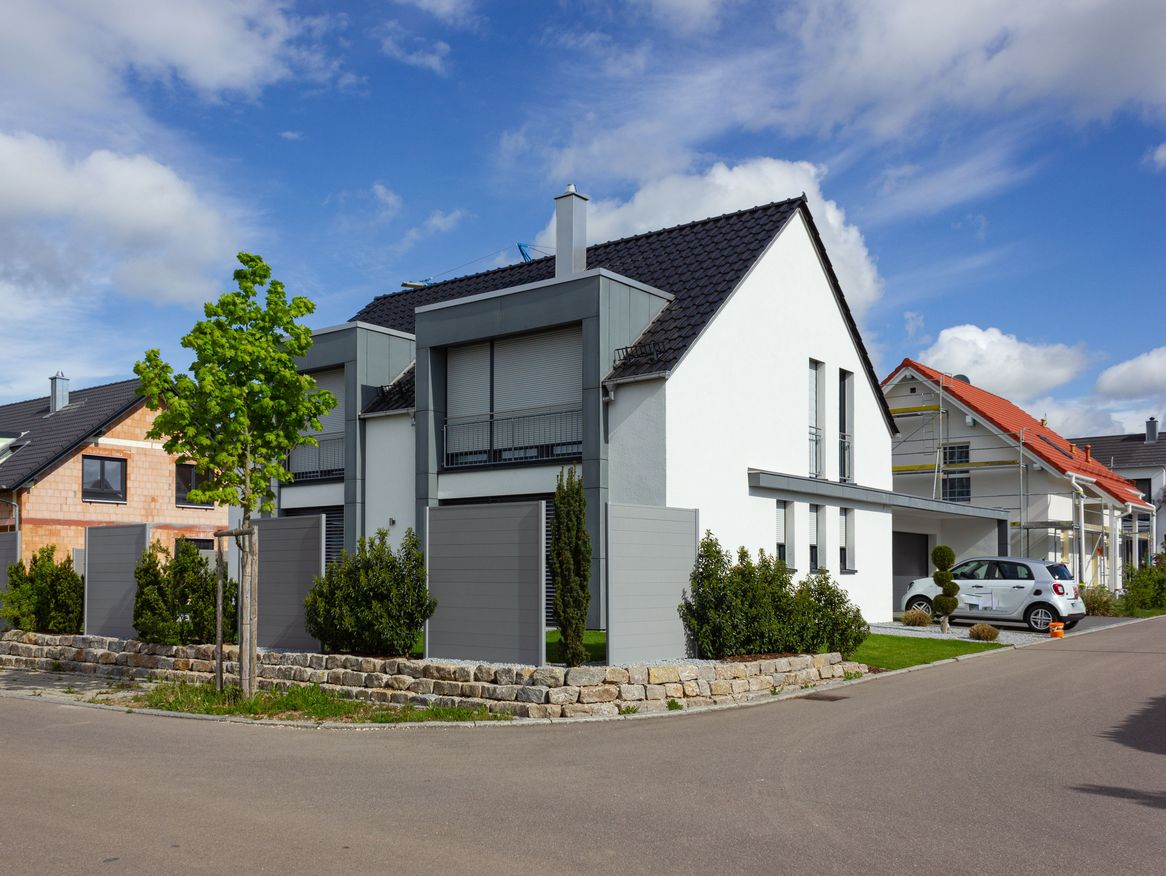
(945, 602)
(570, 563)
(240, 411)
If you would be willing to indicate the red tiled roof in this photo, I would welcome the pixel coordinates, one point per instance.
(1041, 441)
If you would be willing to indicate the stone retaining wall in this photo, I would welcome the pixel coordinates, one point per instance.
(522, 691)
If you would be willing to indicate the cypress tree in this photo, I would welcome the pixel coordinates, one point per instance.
(570, 563)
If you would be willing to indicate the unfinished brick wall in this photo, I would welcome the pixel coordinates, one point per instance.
(54, 512)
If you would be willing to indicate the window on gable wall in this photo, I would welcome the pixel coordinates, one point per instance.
(103, 479)
(957, 485)
(815, 531)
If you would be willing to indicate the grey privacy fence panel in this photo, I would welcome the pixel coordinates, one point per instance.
(650, 554)
(486, 567)
(291, 555)
(9, 554)
(111, 553)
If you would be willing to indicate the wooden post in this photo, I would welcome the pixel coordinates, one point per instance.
(220, 571)
(248, 572)
(254, 615)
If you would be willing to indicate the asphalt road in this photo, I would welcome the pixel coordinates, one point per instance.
(1048, 759)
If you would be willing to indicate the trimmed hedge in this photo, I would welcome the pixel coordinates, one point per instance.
(753, 607)
(372, 602)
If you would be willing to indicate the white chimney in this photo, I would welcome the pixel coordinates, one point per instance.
(58, 392)
(1152, 431)
(570, 233)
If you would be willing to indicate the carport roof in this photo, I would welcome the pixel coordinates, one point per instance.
(855, 494)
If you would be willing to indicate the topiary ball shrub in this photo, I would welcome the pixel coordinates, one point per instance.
(945, 603)
(917, 618)
(983, 633)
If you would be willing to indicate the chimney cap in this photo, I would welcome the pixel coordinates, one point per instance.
(571, 190)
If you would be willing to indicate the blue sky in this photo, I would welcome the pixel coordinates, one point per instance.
(990, 180)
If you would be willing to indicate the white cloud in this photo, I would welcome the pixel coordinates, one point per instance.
(388, 201)
(459, 13)
(1002, 363)
(1157, 157)
(686, 16)
(1141, 377)
(401, 45)
(722, 189)
(913, 325)
(292, 135)
(1072, 418)
(437, 222)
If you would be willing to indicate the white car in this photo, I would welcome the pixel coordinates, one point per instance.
(1034, 592)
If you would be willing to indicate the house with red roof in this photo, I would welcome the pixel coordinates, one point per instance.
(960, 443)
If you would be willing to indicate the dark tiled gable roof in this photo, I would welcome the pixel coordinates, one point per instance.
(399, 395)
(51, 437)
(700, 263)
(1126, 451)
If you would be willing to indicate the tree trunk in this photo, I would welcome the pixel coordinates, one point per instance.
(943, 625)
(246, 645)
(253, 659)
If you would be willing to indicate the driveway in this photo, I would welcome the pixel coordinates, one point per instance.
(1049, 759)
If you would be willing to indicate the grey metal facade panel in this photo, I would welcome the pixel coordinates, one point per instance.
(111, 554)
(291, 555)
(650, 555)
(486, 569)
(9, 554)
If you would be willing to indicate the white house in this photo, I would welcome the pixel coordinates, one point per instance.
(961, 443)
(713, 365)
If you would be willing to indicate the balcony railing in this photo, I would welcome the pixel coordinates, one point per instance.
(845, 457)
(315, 463)
(816, 465)
(514, 437)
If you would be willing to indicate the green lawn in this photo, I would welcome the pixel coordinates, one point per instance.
(898, 652)
(595, 641)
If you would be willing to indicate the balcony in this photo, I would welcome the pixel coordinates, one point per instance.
(816, 464)
(320, 462)
(845, 457)
(514, 437)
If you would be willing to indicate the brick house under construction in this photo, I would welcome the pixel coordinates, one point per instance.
(81, 459)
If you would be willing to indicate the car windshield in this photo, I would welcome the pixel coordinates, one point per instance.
(1060, 572)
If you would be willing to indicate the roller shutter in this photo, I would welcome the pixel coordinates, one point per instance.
(543, 370)
(467, 386)
(333, 381)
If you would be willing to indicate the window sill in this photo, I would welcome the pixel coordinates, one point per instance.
(193, 506)
(848, 571)
(104, 501)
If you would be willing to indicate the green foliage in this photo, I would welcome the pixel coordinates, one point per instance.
(983, 633)
(1145, 589)
(241, 410)
(674, 706)
(570, 562)
(751, 607)
(373, 601)
(628, 710)
(917, 618)
(44, 597)
(1099, 601)
(822, 618)
(175, 602)
(735, 608)
(945, 603)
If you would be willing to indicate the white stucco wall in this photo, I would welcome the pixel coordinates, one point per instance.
(739, 400)
(637, 451)
(390, 482)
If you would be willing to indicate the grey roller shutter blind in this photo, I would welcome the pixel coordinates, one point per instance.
(333, 381)
(543, 370)
(780, 521)
(813, 524)
(467, 387)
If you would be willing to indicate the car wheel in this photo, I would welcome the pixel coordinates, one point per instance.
(919, 603)
(1039, 616)
(1070, 624)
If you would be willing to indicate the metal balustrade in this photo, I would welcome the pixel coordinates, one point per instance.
(845, 457)
(816, 464)
(514, 437)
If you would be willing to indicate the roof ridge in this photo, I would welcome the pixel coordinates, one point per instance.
(643, 234)
(45, 398)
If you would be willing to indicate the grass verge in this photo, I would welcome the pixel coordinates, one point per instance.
(899, 652)
(595, 641)
(311, 703)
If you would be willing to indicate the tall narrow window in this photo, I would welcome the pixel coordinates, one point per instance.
(957, 479)
(186, 478)
(845, 425)
(815, 418)
(780, 551)
(814, 536)
(846, 539)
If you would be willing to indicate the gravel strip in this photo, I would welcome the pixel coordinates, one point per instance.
(1006, 637)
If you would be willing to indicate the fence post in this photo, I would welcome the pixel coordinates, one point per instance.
(221, 569)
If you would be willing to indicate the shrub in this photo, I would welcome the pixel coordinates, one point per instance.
(751, 607)
(44, 597)
(1099, 601)
(175, 602)
(1145, 588)
(944, 603)
(372, 601)
(570, 565)
(917, 618)
(983, 633)
(735, 608)
(822, 618)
